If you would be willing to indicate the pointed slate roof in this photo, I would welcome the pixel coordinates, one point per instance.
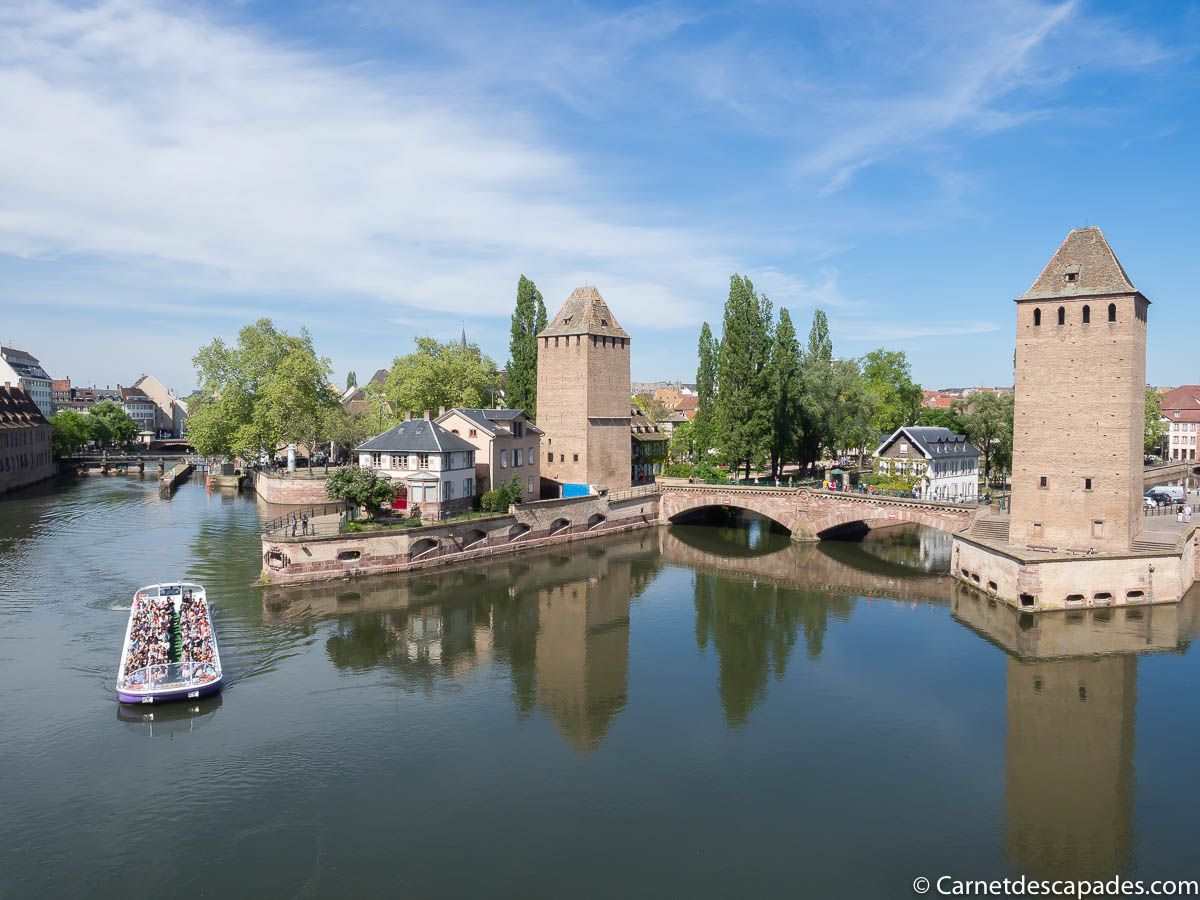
(585, 312)
(1086, 255)
(416, 436)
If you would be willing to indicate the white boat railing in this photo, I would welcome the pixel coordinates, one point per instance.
(166, 675)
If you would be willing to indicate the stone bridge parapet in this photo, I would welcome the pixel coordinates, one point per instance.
(808, 513)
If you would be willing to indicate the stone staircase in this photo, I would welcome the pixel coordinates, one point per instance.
(1148, 542)
(991, 528)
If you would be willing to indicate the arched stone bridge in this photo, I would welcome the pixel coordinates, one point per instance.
(809, 513)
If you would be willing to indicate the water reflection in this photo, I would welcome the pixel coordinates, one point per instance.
(171, 719)
(559, 621)
(1071, 699)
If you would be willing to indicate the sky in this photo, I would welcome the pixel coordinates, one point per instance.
(375, 171)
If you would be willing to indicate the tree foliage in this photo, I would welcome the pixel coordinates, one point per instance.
(110, 425)
(706, 388)
(359, 487)
(506, 494)
(1156, 426)
(894, 397)
(70, 431)
(742, 415)
(784, 381)
(528, 318)
(940, 418)
(987, 420)
(266, 390)
(440, 374)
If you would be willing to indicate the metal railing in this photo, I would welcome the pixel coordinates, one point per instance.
(284, 522)
(643, 490)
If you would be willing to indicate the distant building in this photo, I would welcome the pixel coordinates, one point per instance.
(648, 448)
(1181, 410)
(507, 445)
(687, 406)
(26, 454)
(945, 464)
(583, 395)
(22, 369)
(80, 399)
(139, 407)
(171, 413)
(431, 467)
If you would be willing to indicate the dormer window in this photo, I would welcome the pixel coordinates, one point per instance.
(566, 320)
(1072, 277)
(604, 321)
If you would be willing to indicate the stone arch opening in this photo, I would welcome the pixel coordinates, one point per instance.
(724, 514)
(518, 531)
(595, 520)
(423, 547)
(473, 537)
(559, 525)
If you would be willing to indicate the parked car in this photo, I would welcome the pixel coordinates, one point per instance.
(1149, 502)
(1167, 494)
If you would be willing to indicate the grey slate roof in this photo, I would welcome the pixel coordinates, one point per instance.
(1087, 255)
(934, 442)
(416, 436)
(585, 312)
(485, 418)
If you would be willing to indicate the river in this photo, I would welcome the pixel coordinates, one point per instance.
(688, 711)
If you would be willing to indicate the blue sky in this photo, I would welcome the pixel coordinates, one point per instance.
(377, 171)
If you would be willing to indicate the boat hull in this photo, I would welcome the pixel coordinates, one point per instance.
(187, 692)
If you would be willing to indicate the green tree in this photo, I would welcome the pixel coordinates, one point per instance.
(438, 374)
(528, 318)
(69, 432)
(359, 487)
(987, 419)
(940, 418)
(742, 411)
(895, 397)
(783, 382)
(346, 429)
(818, 395)
(110, 424)
(706, 389)
(656, 410)
(351, 379)
(267, 389)
(1156, 426)
(683, 441)
(851, 422)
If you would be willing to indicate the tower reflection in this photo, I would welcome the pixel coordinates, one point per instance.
(1071, 688)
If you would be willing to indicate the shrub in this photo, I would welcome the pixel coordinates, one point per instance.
(678, 470)
(360, 487)
(491, 501)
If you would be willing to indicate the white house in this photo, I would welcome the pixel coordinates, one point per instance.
(508, 444)
(432, 468)
(945, 464)
(22, 370)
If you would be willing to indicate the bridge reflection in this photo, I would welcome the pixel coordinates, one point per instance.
(1071, 692)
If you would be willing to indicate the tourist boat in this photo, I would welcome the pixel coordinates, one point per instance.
(170, 650)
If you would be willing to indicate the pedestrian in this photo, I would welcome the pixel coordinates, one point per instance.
(304, 522)
(1187, 513)
(294, 523)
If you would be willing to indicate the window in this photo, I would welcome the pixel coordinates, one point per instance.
(504, 459)
(447, 490)
(1098, 528)
(519, 430)
(1112, 312)
(468, 487)
(1087, 315)
(549, 457)
(1037, 529)
(471, 433)
(562, 457)
(377, 459)
(1062, 315)
(529, 457)
(574, 457)
(904, 448)
(422, 460)
(518, 457)
(1037, 317)
(1072, 277)
(529, 485)
(1087, 484)
(1043, 482)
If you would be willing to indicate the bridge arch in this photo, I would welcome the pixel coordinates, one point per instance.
(761, 504)
(840, 522)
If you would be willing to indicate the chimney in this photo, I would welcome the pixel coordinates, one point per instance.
(408, 416)
(441, 411)
(428, 414)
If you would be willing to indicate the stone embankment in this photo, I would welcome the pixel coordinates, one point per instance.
(289, 560)
(291, 490)
(169, 481)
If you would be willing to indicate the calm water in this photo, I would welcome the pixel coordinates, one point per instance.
(694, 711)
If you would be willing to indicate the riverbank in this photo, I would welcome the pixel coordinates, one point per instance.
(292, 560)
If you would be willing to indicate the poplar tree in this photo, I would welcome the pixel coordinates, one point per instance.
(743, 402)
(528, 318)
(706, 386)
(784, 383)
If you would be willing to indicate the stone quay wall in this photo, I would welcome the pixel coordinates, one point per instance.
(291, 490)
(288, 560)
(1055, 581)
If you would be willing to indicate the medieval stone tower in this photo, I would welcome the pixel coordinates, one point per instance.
(1080, 405)
(583, 394)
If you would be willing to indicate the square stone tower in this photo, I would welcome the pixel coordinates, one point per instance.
(583, 394)
(1080, 402)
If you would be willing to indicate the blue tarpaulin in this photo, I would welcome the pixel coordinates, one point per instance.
(576, 490)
